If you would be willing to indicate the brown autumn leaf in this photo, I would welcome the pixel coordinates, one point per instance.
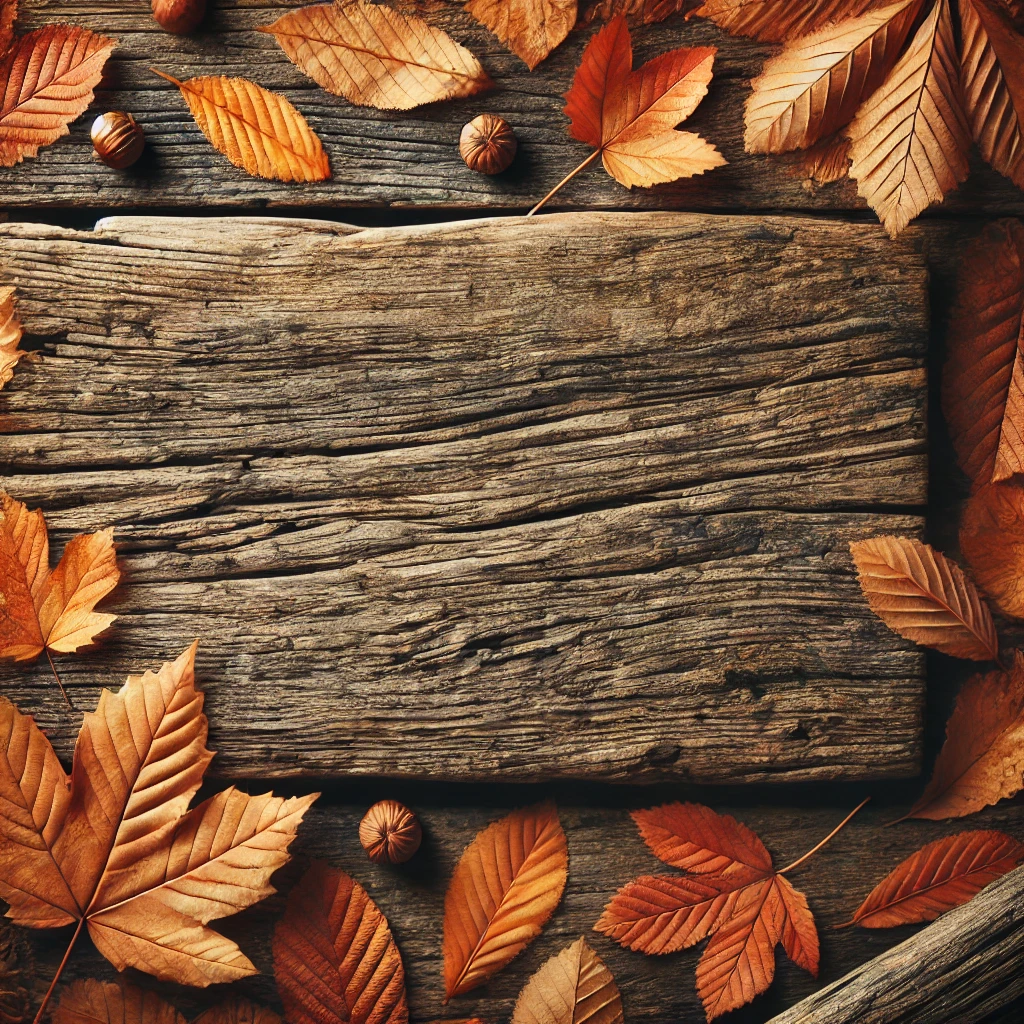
(238, 1011)
(10, 336)
(334, 956)
(114, 849)
(636, 12)
(823, 163)
(573, 987)
(504, 888)
(939, 877)
(8, 14)
(983, 379)
(992, 544)
(982, 760)
(256, 129)
(376, 57)
(920, 594)
(530, 28)
(49, 76)
(778, 21)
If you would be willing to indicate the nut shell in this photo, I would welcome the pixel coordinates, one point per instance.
(179, 16)
(488, 144)
(118, 139)
(390, 833)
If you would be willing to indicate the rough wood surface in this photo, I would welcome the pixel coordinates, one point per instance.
(591, 520)
(403, 158)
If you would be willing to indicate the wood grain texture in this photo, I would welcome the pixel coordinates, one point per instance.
(395, 159)
(430, 519)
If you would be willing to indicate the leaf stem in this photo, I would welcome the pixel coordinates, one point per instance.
(814, 849)
(60, 970)
(64, 693)
(572, 174)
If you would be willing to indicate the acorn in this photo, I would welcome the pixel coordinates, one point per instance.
(390, 833)
(488, 144)
(118, 139)
(179, 16)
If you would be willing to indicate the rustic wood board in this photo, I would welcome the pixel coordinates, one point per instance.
(410, 158)
(432, 518)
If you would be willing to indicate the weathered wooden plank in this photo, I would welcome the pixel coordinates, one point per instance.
(435, 518)
(409, 158)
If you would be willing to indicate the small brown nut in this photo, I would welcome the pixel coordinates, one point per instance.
(487, 144)
(118, 139)
(390, 833)
(179, 16)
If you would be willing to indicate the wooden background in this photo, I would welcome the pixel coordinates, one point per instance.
(402, 168)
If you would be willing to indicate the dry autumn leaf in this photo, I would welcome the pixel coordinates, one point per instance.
(115, 850)
(939, 877)
(504, 888)
(636, 12)
(376, 57)
(254, 128)
(8, 12)
(238, 1011)
(530, 28)
(49, 76)
(776, 21)
(824, 162)
(920, 594)
(992, 544)
(573, 987)
(334, 956)
(10, 336)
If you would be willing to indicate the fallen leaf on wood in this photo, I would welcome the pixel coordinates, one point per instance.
(823, 163)
(17, 975)
(983, 379)
(254, 128)
(114, 848)
(238, 1011)
(334, 956)
(504, 888)
(776, 21)
(530, 28)
(8, 13)
(982, 760)
(939, 877)
(10, 336)
(376, 57)
(573, 987)
(636, 12)
(48, 77)
(992, 544)
(920, 594)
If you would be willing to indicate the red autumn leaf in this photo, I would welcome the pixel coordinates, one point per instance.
(992, 544)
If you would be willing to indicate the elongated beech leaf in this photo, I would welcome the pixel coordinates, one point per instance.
(992, 544)
(636, 12)
(778, 21)
(530, 28)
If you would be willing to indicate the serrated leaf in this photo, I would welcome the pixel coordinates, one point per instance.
(10, 336)
(530, 28)
(777, 21)
(636, 12)
(505, 887)
(334, 956)
(920, 594)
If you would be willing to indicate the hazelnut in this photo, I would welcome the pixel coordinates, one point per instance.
(390, 833)
(118, 139)
(487, 144)
(179, 16)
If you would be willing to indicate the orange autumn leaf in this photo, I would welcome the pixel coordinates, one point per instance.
(504, 888)
(920, 594)
(238, 1011)
(823, 163)
(10, 336)
(939, 877)
(636, 12)
(992, 544)
(776, 21)
(530, 28)
(8, 12)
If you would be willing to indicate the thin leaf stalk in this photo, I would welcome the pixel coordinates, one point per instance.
(60, 970)
(814, 849)
(572, 174)
(63, 692)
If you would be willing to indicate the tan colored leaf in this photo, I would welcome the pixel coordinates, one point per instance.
(530, 28)
(910, 139)
(636, 12)
(50, 75)
(10, 336)
(238, 1011)
(376, 57)
(573, 987)
(504, 889)
(992, 544)
(777, 21)
(939, 877)
(983, 379)
(920, 594)
(254, 128)
(8, 14)
(814, 87)
(334, 955)
(823, 163)
(110, 1002)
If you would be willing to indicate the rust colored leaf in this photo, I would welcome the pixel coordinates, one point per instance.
(334, 956)
(112, 1002)
(910, 138)
(777, 21)
(992, 544)
(983, 379)
(573, 987)
(636, 12)
(814, 87)
(504, 889)
(10, 336)
(939, 877)
(49, 77)
(8, 14)
(530, 28)
(115, 849)
(238, 1011)
(377, 57)
(254, 128)
(920, 594)
(823, 163)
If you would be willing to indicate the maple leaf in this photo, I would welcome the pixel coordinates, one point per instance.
(939, 877)
(636, 12)
(377, 57)
(10, 336)
(505, 887)
(992, 544)
(530, 28)
(334, 956)
(49, 76)
(254, 128)
(920, 594)
(573, 987)
(114, 848)
(776, 21)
